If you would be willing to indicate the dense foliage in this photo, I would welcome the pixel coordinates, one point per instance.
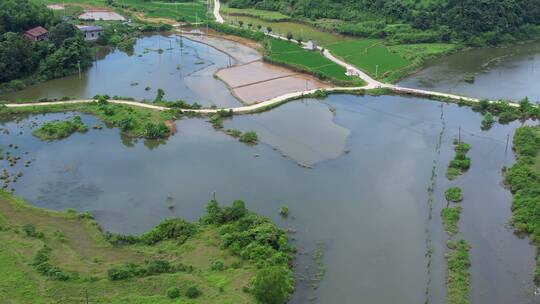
(472, 21)
(62, 55)
(257, 239)
(524, 181)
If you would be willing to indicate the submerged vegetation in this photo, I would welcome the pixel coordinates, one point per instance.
(450, 218)
(523, 179)
(454, 194)
(67, 257)
(461, 162)
(60, 129)
(458, 280)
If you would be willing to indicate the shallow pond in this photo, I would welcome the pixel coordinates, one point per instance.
(365, 203)
(184, 69)
(501, 73)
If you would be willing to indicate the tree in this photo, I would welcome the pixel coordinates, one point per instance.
(272, 285)
(17, 57)
(289, 36)
(269, 29)
(61, 32)
(241, 23)
(159, 95)
(72, 53)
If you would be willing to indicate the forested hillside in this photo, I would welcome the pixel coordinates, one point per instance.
(476, 22)
(21, 58)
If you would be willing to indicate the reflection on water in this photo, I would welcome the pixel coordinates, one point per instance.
(367, 207)
(183, 69)
(304, 131)
(501, 73)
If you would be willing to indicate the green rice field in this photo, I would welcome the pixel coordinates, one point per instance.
(292, 54)
(370, 55)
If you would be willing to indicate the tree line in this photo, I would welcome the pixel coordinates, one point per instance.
(476, 22)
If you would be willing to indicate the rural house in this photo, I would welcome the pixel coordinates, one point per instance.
(37, 34)
(90, 32)
(311, 45)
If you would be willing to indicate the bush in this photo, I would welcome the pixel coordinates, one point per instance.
(156, 130)
(30, 230)
(173, 292)
(272, 285)
(170, 229)
(249, 137)
(487, 121)
(217, 265)
(454, 194)
(284, 210)
(193, 292)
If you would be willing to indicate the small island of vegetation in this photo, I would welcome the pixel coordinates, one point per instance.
(60, 129)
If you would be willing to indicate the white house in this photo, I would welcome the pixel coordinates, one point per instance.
(311, 45)
(90, 32)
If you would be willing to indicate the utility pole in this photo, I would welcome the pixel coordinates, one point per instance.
(79, 65)
(507, 142)
(459, 135)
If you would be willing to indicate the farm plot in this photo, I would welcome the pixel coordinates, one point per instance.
(370, 55)
(313, 61)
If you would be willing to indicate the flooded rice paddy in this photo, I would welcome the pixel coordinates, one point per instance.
(502, 73)
(184, 69)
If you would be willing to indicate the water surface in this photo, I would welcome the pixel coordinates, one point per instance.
(368, 209)
(501, 73)
(184, 70)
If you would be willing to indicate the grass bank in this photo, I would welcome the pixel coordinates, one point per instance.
(64, 257)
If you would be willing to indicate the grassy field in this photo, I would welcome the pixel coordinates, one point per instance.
(261, 14)
(292, 54)
(186, 11)
(77, 245)
(370, 55)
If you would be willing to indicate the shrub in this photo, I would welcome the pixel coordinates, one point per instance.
(272, 285)
(461, 162)
(154, 131)
(487, 121)
(454, 194)
(193, 292)
(170, 229)
(173, 292)
(234, 132)
(217, 265)
(249, 137)
(284, 210)
(30, 230)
